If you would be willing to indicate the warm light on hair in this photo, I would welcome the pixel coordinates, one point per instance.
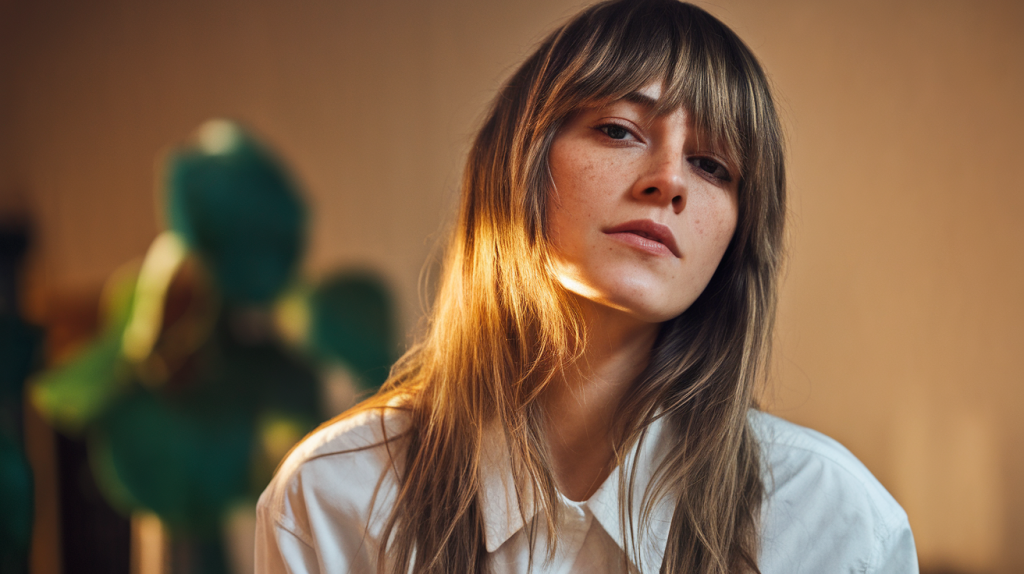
(503, 327)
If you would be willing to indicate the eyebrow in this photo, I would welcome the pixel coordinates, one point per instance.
(641, 99)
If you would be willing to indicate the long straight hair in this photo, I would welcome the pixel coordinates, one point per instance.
(502, 328)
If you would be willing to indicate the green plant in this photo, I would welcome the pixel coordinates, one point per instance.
(207, 366)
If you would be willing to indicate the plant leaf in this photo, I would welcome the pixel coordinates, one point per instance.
(234, 204)
(351, 320)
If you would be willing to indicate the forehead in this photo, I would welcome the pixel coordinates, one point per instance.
(650, 103)
(651, 100)
(652, 91)
(647, 97)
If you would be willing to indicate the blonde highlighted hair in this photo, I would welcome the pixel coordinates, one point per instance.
(502, 327)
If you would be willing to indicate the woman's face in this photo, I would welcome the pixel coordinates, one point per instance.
(641, 211)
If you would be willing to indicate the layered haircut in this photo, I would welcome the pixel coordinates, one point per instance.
(503, 328)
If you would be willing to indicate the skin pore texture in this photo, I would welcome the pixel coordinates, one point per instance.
(640, 215)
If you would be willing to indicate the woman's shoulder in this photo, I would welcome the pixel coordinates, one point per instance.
(824, 510)
(796, 453)
(339, 473)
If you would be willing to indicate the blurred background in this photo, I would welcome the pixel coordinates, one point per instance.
(902, 323)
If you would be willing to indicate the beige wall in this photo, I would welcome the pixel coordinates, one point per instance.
(902, 323)
(901, 318)
(7, 160)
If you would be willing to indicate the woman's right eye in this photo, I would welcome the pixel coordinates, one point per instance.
(614, 131)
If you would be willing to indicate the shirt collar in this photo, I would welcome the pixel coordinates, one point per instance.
(501, 514)
(502, 518)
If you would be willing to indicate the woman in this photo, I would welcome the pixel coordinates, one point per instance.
(583, 398)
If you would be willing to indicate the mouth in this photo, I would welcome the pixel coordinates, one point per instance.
(647, 236)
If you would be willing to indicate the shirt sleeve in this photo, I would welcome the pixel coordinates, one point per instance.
(323, 510)
(280, 550)
(300, 530)
(897, 554)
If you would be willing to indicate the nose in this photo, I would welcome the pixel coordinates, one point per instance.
(663, 182)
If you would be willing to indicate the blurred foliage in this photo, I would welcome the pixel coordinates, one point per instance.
(19, 344)
(195, 389)
(233, 204)
(181, 457)
(75, 394)
(350, 317)
(15, 506)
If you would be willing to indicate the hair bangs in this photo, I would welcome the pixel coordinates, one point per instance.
(712, 80)
(702, 65)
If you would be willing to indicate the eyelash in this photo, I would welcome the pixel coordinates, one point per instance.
(694, 161)
(604, 128)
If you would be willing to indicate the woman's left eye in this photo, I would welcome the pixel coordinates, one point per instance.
(711, 167)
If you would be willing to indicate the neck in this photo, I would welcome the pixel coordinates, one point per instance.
(581, 408)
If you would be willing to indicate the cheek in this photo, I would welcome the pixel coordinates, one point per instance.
(715, 223)
(574, 175)
(570, 204)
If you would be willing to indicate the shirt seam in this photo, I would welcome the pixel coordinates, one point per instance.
(883, 543)
(286, 524)
(889, 520)
(888, 516)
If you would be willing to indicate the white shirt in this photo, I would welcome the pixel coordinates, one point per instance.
(824, 512)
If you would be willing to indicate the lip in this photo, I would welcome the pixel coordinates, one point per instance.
(646, 235)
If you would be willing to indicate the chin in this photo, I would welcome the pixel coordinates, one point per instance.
(652, 315)
(650, 307)
(638, 297)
